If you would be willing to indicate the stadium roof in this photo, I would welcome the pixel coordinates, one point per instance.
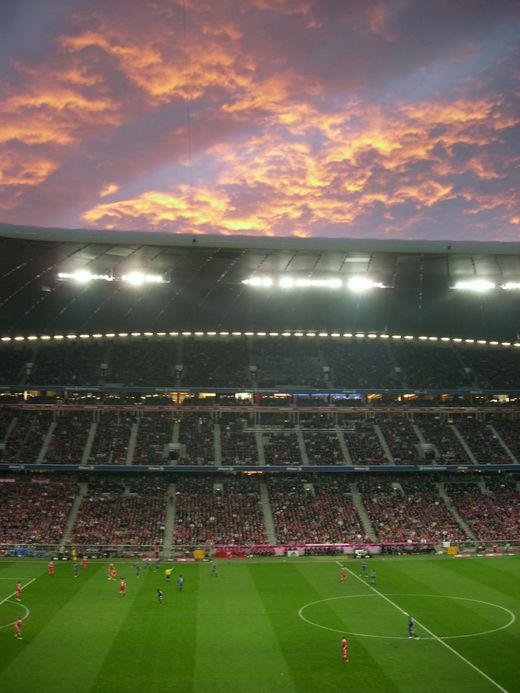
(204, 287)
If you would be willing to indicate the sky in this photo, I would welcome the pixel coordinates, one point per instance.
(393, 119)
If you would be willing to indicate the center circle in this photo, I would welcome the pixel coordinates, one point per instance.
(511, 615)
(22, 606)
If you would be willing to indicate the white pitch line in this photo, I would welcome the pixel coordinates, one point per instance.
(13, 593)
(435, 637)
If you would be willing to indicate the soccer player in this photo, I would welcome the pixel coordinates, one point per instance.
(343, 575)
(51, 568)
(110, 571)
(411, 627)
(373, 577)
(344, 648)
(18, 629)
(84, 562)
(364, 568)
(181, 582)
(137, 569)
(168, 574)
(19, 592)
(157, 564)
(122, 587)
(159, 596)
(214, 570)
(76, 570)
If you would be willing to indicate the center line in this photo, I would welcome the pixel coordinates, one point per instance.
(435, 637)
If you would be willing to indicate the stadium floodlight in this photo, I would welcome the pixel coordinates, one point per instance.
(247, 334)
(502, 343)
(511, 286)
(173, 334)
(32, 338)
(335, 334)
(457, 339)
(409, 337)
(481, 341)
(160, 334)
(84, 276)
(72, 336)
(493, 343)
(445, 339)
(6, 339)
(149, 334)
(477, 285)
(397, 336)
(56, 336)
(371, 335)
(360, 284)
(122, 334)
(433, 339)
(84, 336)
(323, 334)
(360, 335)
(135, 334)
(259, 281)
(298, 334)
(224, 334)
(469, 341)
(97, 335)
(45, 337)
(423, 338)
(212, 334)
(110, 335)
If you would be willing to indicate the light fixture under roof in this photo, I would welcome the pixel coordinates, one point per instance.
(477, 285)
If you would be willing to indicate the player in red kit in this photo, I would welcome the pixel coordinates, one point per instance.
(84, 562)
(18, 629)
(19, 592)
(51, 568)
(122, 587)
(344, 648)
(110, 571)
(343, 575)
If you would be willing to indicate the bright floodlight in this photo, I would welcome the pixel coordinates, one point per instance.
(360, 284)
(510, 286)
(477, 285)
(258, 281)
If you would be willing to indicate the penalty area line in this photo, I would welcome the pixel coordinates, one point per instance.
(430, 632)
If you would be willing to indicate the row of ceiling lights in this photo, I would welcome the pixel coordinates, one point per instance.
(287, 333)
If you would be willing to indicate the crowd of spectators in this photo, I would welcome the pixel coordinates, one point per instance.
(441, 435)
(430, 367)
(359, 364)
(321, 440)
(492, 514)
(286, 360)
(122, 514)
(73, 363)
(69, 438)
(320, 512)
(13, 364)
(482, 440)
(363, 445)
(112, 438)
(281, 448)
(34, 512)
(237, 442)
(197, 433)
(493, 369)
(143, 364)
(215, 363)
(409, 511)
(401, 439)
(218, 511)
(154, 432)
(508, 430)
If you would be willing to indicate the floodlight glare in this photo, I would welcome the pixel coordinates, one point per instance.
(477, 285)
(360, 284)
(510, 286)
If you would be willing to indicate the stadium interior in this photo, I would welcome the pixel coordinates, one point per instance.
(254, 396)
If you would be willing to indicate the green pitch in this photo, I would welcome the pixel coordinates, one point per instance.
(264, 626)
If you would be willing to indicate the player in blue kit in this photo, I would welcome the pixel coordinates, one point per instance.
(364, 568)
(411, 628)
(373, 577)
(181, 582)
(137, 569)
(159, 596)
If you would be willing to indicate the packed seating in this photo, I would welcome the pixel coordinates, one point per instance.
(154, 431)
(69, 438)
(363, 444)
(359, 364)
(401, 438)
(430, 367)
(238, 442)
(122, 513)
(281, 360)
(112, 438)
(509, 432)
(34, 512)
(482, 441)
(25, 436)
(215, 363)
(321, 441)
(143, 364)
(73, 363)
(197, 433)
(408, 511)
(320, 511)
(497, 369)
(492, 515)
(439, 433)
(13, 365)
(218, 510)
